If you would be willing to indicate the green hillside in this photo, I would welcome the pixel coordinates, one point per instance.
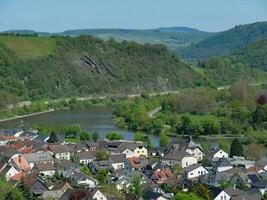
(29, 47)
(253, 55)
(225, 42)
(64, 66)
(173, 37)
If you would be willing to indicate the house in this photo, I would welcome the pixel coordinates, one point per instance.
(216, 153)
(78, 193)
(222, 165)
(241, 162)
(136, 163)
(67, 171)
(189, 146)
(163, 176)
(159, 165)
(261, 185)
(85, 157)
(92, 146)
(4, 140)
(129, 148)
(45, 169)
(39, 157)
(52, 194)
(219, 194)
(215, 178)
(152, 195)
(21, 164)
(237, 194)
(60, 152)
(123, 179)
(117, 161)
(157, 151)
(96, 166)
(262, 163)
(194, 171)
(182, 158)
(83, 180)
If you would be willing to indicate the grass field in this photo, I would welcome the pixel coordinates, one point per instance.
(29, 48)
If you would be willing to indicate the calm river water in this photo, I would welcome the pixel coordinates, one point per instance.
(97, 118)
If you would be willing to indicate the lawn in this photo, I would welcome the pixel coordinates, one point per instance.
(29, 48)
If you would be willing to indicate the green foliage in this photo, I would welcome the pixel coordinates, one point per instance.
(104, 67)
(202, 191)
(236, 148)
(95, 136)
(25, 189)
(72, 131)
(163, 139)
(85, 136)
(101, 176)
(9, 192)
(136, 187)
(114, 136)
(186, 196)
(53, 138)
(226, 41)
(102, 155)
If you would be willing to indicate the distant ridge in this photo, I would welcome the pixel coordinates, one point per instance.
(226, 42)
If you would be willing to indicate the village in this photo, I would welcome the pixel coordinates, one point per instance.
(71, 170)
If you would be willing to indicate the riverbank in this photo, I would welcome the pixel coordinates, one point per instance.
(28, 115)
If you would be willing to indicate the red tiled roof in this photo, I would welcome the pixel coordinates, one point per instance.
(164, 175)
(18, 176)
(22, 163)
(2, 137)
(25, 150)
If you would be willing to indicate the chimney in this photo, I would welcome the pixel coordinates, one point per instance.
(20, 158)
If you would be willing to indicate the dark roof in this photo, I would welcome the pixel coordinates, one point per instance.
(58, 148)
(117, 158)
(214, 191)
(151, 195)
(260, 184)
(192, 167)
(178, 155)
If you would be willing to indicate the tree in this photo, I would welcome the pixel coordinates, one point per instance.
(102, 155)
(186, 196)
(85, 136)
(25, 189)
(53, 138)
(138, 136)
(95, 136)
(72, 130)
(262, 99)
(236, 148)
(255, 151)
(114, 136)
(135, 187)
(202, 191)
(102, 175)
(163, 140)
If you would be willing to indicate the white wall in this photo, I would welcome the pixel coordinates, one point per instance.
(222, 196)
(221, 154)
(197, 173)
(187, 161)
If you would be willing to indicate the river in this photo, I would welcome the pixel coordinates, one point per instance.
(95, 118)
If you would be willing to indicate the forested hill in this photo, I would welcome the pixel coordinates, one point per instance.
(43, 67)
(253, 55)
(226, 42)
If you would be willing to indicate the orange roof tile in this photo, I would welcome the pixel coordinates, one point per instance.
(18, 176)
(22, 163)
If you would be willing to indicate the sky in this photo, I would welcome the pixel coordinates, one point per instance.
(60, 15)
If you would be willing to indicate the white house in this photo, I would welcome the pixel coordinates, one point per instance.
(61, 152)
(195, 171)
(11, 171)
(46, 169)
(85, 157)
(220, 154)
(221, 195)
(117, 161)
(84, 180)
(181, 158)
(97, 195)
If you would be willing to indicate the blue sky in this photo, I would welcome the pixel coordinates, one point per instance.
(60, 15)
